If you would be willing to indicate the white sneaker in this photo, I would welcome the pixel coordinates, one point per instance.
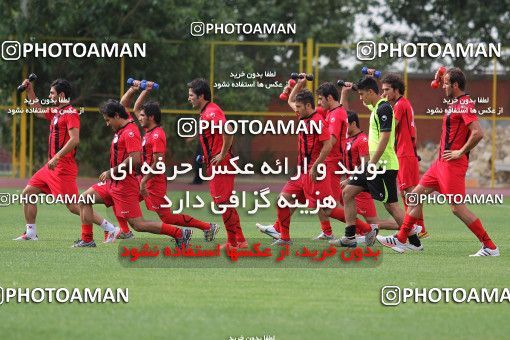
(25, 237)
(360, 239)
(416, 229)
(370, 237)
(486, 252)
(392, 242)
(323, 236)
(413, 247)
(268, 230)
(112, 235)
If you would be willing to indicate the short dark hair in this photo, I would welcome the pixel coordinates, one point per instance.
(457, 76)
(305, 97)
(368, 83)
(395, 82)
(152, 109)
(112, 107)
(328, 89)
(352, 117)
(200, 87)
(62, 85)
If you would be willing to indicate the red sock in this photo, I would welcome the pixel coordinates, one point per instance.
(338, 214)
(239, 234)
(326, 228)
(284, 218)
(123, 224)
(406, 227)
(182, 220)
(361, 227)
(477, 229)
(170, 230)
(277, 225)
(421, 222)
(87, 233)
(231, 221)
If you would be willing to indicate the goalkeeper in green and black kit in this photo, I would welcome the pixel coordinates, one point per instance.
(381, 141)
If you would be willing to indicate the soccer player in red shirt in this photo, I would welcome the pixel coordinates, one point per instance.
(58, 176)
(328, 107)
(153, 187)
(217, 152)
(405, 139)
(121, 190)
(461, 132)
(336, 123)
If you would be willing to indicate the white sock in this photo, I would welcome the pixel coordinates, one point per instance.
(31, 230)
(107, 226)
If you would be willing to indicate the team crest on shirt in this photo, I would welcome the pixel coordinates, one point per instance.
(384, 118)
(115, 138)
(155, 136)
(332, 120)
(365, 139)
(131, 134)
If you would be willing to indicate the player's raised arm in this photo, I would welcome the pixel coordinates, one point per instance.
(344, 94)
(39, 113)
(295, 90)
(127, 98)
(141, 98)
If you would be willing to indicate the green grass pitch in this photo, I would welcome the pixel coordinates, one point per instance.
(218, 303)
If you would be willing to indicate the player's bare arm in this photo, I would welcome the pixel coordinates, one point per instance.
(39, 113)
(344, 94)
(127, 98)
(72, 143)
(326, 148)
(141, 99)
(157, 157)
(135, 157)
(475, 137)
(295, 90)
(228, 139)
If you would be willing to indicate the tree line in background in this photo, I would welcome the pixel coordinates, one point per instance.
(173, 64)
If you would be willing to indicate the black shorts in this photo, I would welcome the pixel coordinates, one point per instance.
(382, 188)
